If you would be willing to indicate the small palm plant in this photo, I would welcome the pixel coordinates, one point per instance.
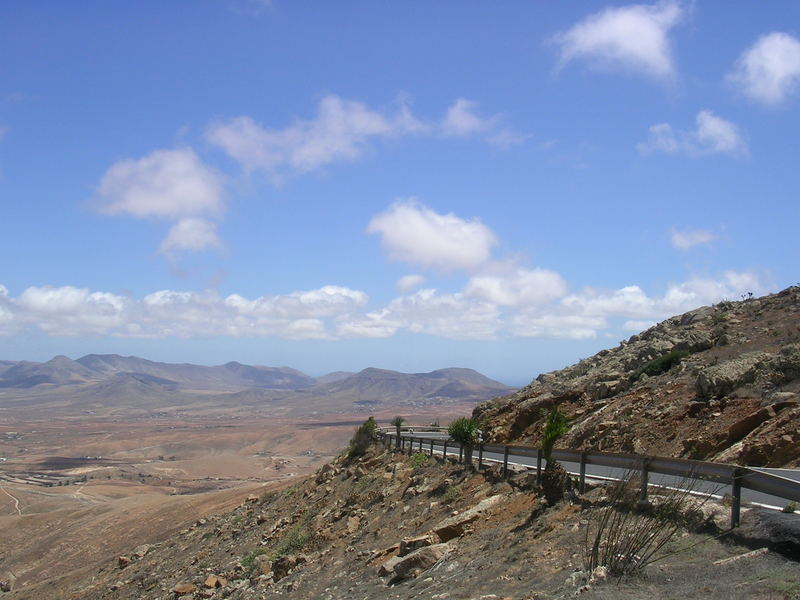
(466, 431)
(555, 479)
(398, 423)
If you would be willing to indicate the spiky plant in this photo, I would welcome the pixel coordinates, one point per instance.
(466, 431)
(398, 423)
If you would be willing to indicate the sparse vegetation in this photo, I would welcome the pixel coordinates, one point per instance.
(660, 365)
(451, 494)
(397, 423)
(790, 507)
(466, 431)
(625, 536)
(419, 459)
(555, 479)
(363, 437)
(248, 561)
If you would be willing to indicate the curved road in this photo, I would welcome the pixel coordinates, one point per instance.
(604, 473)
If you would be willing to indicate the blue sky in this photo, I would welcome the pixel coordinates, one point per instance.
(403, 185)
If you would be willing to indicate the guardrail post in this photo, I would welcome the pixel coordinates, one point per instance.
(460, 453)
(505, 460)
(538, 465)
(582, 479)
(420, 444)
(480, 456)
(431, 447)
(736, 497)
(444, 452)
(410, 446)
(644, 477)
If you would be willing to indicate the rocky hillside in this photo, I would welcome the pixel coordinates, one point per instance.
(718, 383)
(392, 526)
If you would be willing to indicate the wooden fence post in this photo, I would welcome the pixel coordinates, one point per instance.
(538, 465)
(582, 480)
(736, 497)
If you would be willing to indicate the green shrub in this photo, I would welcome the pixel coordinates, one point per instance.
(660, 365)
(419, 459)
(363, 437)
(248, 561)
(465, 431)
(451, 493)
(556, 424)
(790, 508)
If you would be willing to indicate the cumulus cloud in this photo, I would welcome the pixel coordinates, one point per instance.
(71, 311)
(712, 135)
(192, 234)
(413, 233)
(341, 130)
(454, 316)
(571, 327)
(519, 287)
(165, 184)
(632, 302)
(633, 37)
(769, 71)
(409, 282)
(683, 240)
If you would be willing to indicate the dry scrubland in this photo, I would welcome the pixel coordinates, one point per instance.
(74, 492)
(463, 534)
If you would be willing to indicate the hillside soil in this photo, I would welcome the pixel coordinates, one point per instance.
(464, 534)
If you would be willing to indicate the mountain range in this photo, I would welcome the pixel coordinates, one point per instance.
(97, 381)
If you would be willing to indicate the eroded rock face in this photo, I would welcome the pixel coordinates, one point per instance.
(418, 561)
(454, 526)
(692, 386)
(721, 379)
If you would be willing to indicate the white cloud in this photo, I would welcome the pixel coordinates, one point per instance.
(165, 184)
(70, 311)
(769, 70)
(519, 287)
(572, 327)
(341, 130)
(712, 135)
(411, 232)
(193, 234)
(683, 240)
(634, 37)
(632, 302)
(454, 316)
(409, 282)
(462, 120)
(637, 326)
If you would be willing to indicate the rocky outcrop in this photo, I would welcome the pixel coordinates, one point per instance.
(454, 526)
(696, 385)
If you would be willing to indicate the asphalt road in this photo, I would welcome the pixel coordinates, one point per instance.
(603, 473)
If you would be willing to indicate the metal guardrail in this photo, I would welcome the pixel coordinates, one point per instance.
(735, 476)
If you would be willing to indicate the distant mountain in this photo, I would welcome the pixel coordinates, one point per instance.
(59, 370)
(109, 381)
(335, 376)
(381, 387)
(232, 375)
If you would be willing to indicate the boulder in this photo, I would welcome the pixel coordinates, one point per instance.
(454, 526)
(184, 589)
(213, 581)
(408, 545)
(744, 426)
(282, 566)
(387, 568)
(123, 561)
(420, 560)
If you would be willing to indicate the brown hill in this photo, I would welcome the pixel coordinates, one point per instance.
(718, 383)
